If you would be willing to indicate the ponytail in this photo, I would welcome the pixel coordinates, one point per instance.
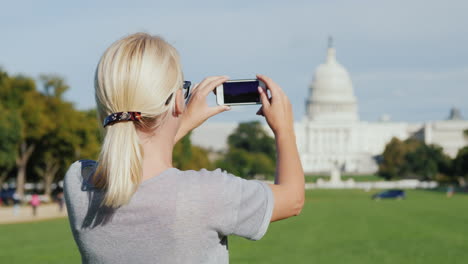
(119, 168)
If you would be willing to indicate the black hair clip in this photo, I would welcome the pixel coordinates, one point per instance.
(121, 116)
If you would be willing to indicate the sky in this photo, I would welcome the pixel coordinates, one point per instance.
(407, 58)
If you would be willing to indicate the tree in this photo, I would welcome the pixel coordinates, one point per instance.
(414, 159)
(9, 138)
(428, 162)
(182, 152)
(88, 129)
(41, 133)
(236, 161)
(72, 134)
(251, 137)
(19, 94)
(393, 158)
(251, 152)
(245, 164)
(199, 160)
(189, 157)
(461, 163)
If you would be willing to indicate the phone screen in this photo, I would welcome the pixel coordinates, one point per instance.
(241, 92)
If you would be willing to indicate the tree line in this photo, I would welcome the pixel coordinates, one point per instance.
(413, 158)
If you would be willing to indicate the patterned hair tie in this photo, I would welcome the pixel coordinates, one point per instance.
(121, 116)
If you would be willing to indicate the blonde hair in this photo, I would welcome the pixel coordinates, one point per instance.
(137, 73)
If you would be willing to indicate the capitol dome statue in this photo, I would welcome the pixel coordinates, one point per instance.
(331, 95)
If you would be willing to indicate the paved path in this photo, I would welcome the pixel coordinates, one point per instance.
(44, 211)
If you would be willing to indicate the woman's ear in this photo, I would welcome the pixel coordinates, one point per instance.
(179, 106)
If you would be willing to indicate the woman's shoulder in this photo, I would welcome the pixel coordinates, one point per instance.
(82, 166)
(210, 177)
(80, 171)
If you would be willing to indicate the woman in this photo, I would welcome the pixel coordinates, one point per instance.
(132, 206)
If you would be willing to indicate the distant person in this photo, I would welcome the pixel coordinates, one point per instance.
(60, 201)
(35, 202)
(450, 191)
(16, 203)
(132, 205)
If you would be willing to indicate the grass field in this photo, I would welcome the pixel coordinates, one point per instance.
(334, 227)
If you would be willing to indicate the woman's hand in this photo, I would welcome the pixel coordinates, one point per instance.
(277, 109)
(197, 110)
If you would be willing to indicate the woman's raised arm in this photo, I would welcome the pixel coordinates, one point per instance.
(288, 190)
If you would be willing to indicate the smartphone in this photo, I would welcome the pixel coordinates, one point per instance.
(239, 92)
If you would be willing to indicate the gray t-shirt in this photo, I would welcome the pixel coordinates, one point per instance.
(175, 217)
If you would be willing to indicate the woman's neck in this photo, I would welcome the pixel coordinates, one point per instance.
(157, 153)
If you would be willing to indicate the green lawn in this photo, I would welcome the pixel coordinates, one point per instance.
(334, 227)
(40, 242)
(347, 227)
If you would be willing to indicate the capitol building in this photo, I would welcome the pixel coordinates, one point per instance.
(331, 136)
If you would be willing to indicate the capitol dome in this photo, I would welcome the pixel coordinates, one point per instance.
(331, 94)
